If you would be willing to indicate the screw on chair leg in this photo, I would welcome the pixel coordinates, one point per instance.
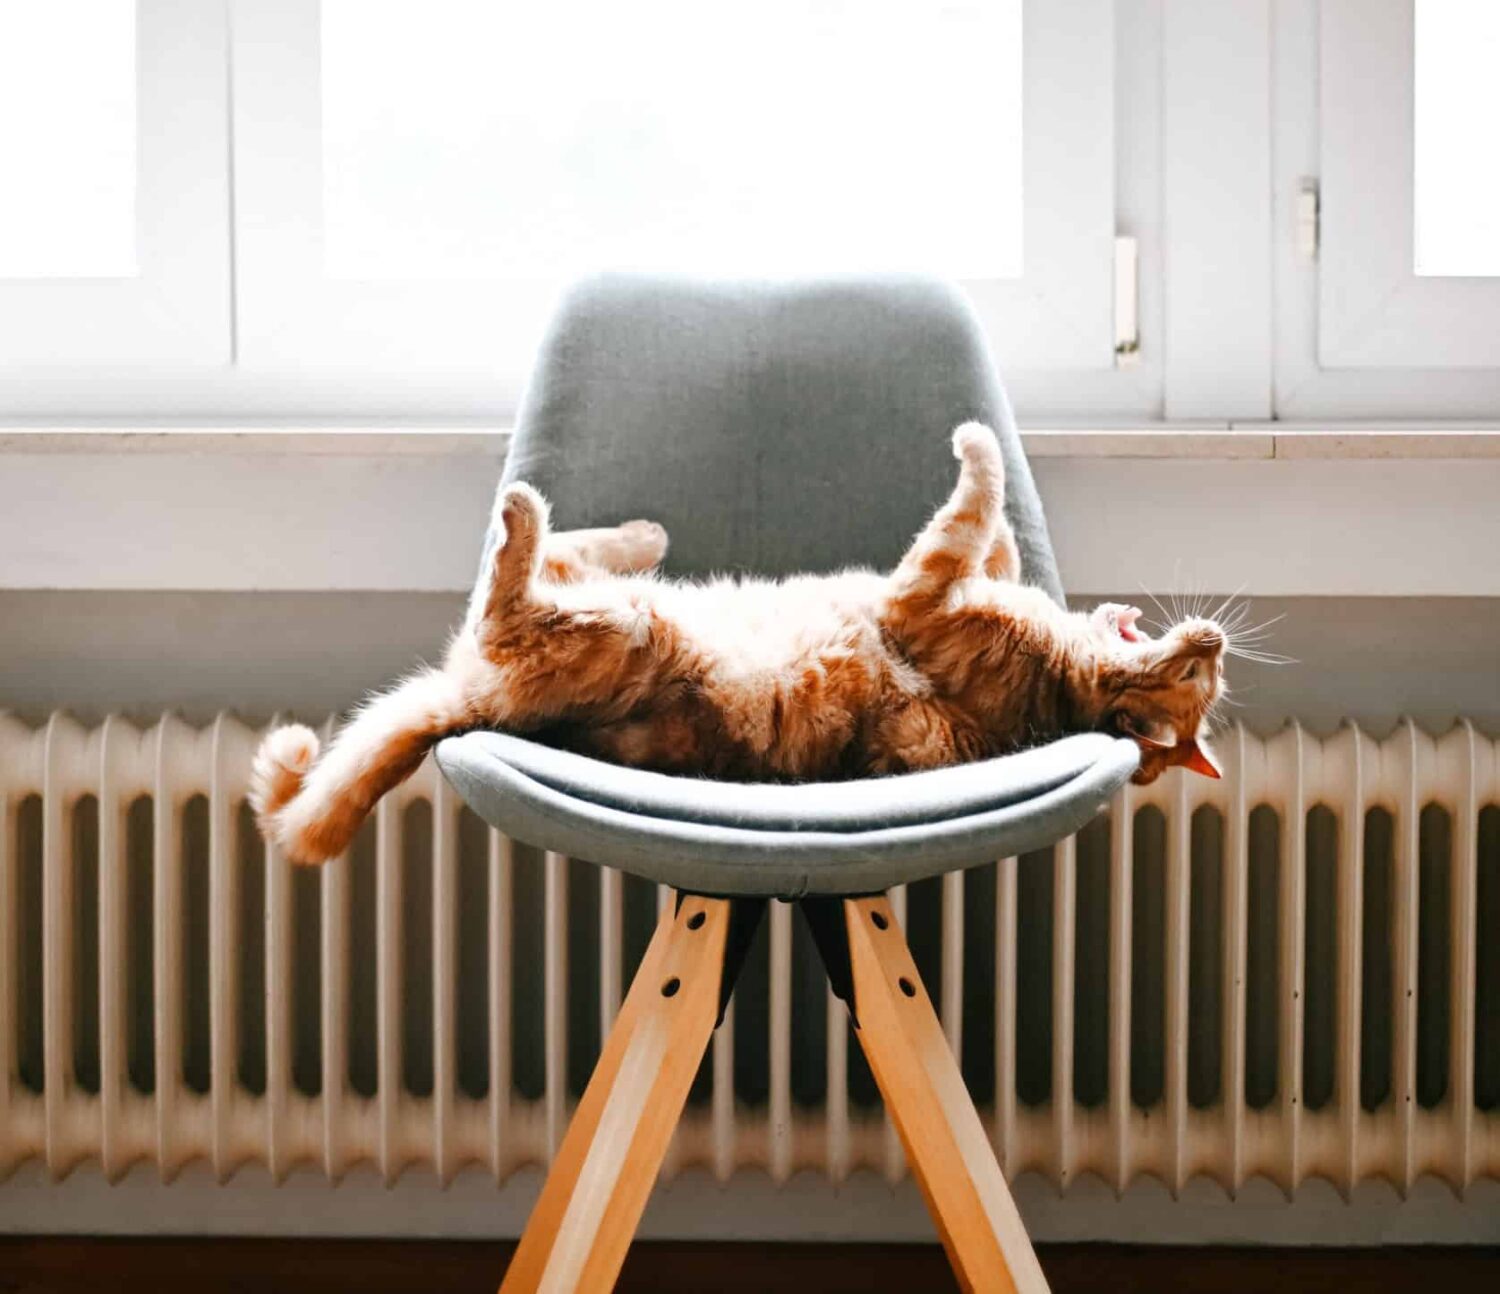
(604, 1170)
(924, 1092)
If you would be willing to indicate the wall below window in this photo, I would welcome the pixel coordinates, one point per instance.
(300, 510)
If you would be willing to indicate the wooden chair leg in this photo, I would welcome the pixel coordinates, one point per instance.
(925, 1094)
(604, 1170)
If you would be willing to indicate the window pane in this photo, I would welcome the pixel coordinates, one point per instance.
(470, 138)
(1457, 163)
(67, 138)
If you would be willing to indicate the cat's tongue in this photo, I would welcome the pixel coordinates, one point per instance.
(1126, 623)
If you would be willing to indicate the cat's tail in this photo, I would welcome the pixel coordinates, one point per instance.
(312, 807)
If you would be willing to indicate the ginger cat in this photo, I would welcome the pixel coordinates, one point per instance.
(946, 659)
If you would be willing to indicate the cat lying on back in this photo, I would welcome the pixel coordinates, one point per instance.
(946, 659)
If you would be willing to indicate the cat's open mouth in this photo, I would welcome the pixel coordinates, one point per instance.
(1126, 626)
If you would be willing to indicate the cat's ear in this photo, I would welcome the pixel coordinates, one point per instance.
(1197, 756)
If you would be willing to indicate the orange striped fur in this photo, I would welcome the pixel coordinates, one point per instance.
(946, 659)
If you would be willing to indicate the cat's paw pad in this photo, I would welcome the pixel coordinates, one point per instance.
(975, 443)
(645, 542)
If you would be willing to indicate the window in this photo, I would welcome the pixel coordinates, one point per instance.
(1455, 171)
(411, 194)
(114, 236)
(72, 65)
(346, 208)
(543, 141)
(1410, 242)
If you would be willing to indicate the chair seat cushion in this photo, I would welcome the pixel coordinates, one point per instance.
(785, 839)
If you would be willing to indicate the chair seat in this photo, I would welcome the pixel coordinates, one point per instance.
(786, 840)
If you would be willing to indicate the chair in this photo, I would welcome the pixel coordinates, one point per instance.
(771, 428)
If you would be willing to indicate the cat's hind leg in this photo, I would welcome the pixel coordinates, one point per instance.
(1004, 560)
(956, 544)
(627, 549)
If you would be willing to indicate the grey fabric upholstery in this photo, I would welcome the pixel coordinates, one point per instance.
(933, 796)
(772, 428)
(589, 809)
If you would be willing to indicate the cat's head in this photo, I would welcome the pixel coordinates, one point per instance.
(1160, 691)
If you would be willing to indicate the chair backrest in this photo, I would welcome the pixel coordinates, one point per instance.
(771, 428)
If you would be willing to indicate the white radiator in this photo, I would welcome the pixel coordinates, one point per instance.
(252, 1025)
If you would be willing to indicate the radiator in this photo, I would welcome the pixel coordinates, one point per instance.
(1292, 972)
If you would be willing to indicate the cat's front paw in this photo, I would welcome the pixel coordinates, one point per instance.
(643, 544)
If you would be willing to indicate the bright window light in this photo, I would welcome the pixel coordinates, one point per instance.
(67, 139)
(485, 139)
(1457, 162)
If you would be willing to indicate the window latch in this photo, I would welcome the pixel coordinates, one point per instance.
(1127, 302)
(1308, 211)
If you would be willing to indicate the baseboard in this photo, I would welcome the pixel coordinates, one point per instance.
(63, 1265)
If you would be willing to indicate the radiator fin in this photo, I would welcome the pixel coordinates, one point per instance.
(1263, 1072)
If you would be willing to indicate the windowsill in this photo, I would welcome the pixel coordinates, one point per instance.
(1214, 442)
(1264, 441)
(1382, 511)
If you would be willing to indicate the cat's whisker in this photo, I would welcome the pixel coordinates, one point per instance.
(1194, 598)
(1232, 627)
(1223, 609)
(1253, 633)
(1173, 598)
(1156, 601)
(1274, 620)
(1259, 657)
(1235, 612)
(1183, 601)
(1218, 724)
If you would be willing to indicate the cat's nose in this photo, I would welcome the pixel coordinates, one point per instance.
(1205, 635)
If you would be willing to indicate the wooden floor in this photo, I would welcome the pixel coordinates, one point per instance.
(69, 1266)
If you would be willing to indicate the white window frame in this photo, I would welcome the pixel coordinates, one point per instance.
(176, 309)
(1358, 335)
(465, 345)
(1375, 311)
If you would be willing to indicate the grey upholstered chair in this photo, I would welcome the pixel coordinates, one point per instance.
(771, 428)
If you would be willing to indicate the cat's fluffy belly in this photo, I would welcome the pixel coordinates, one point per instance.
(767, 678)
